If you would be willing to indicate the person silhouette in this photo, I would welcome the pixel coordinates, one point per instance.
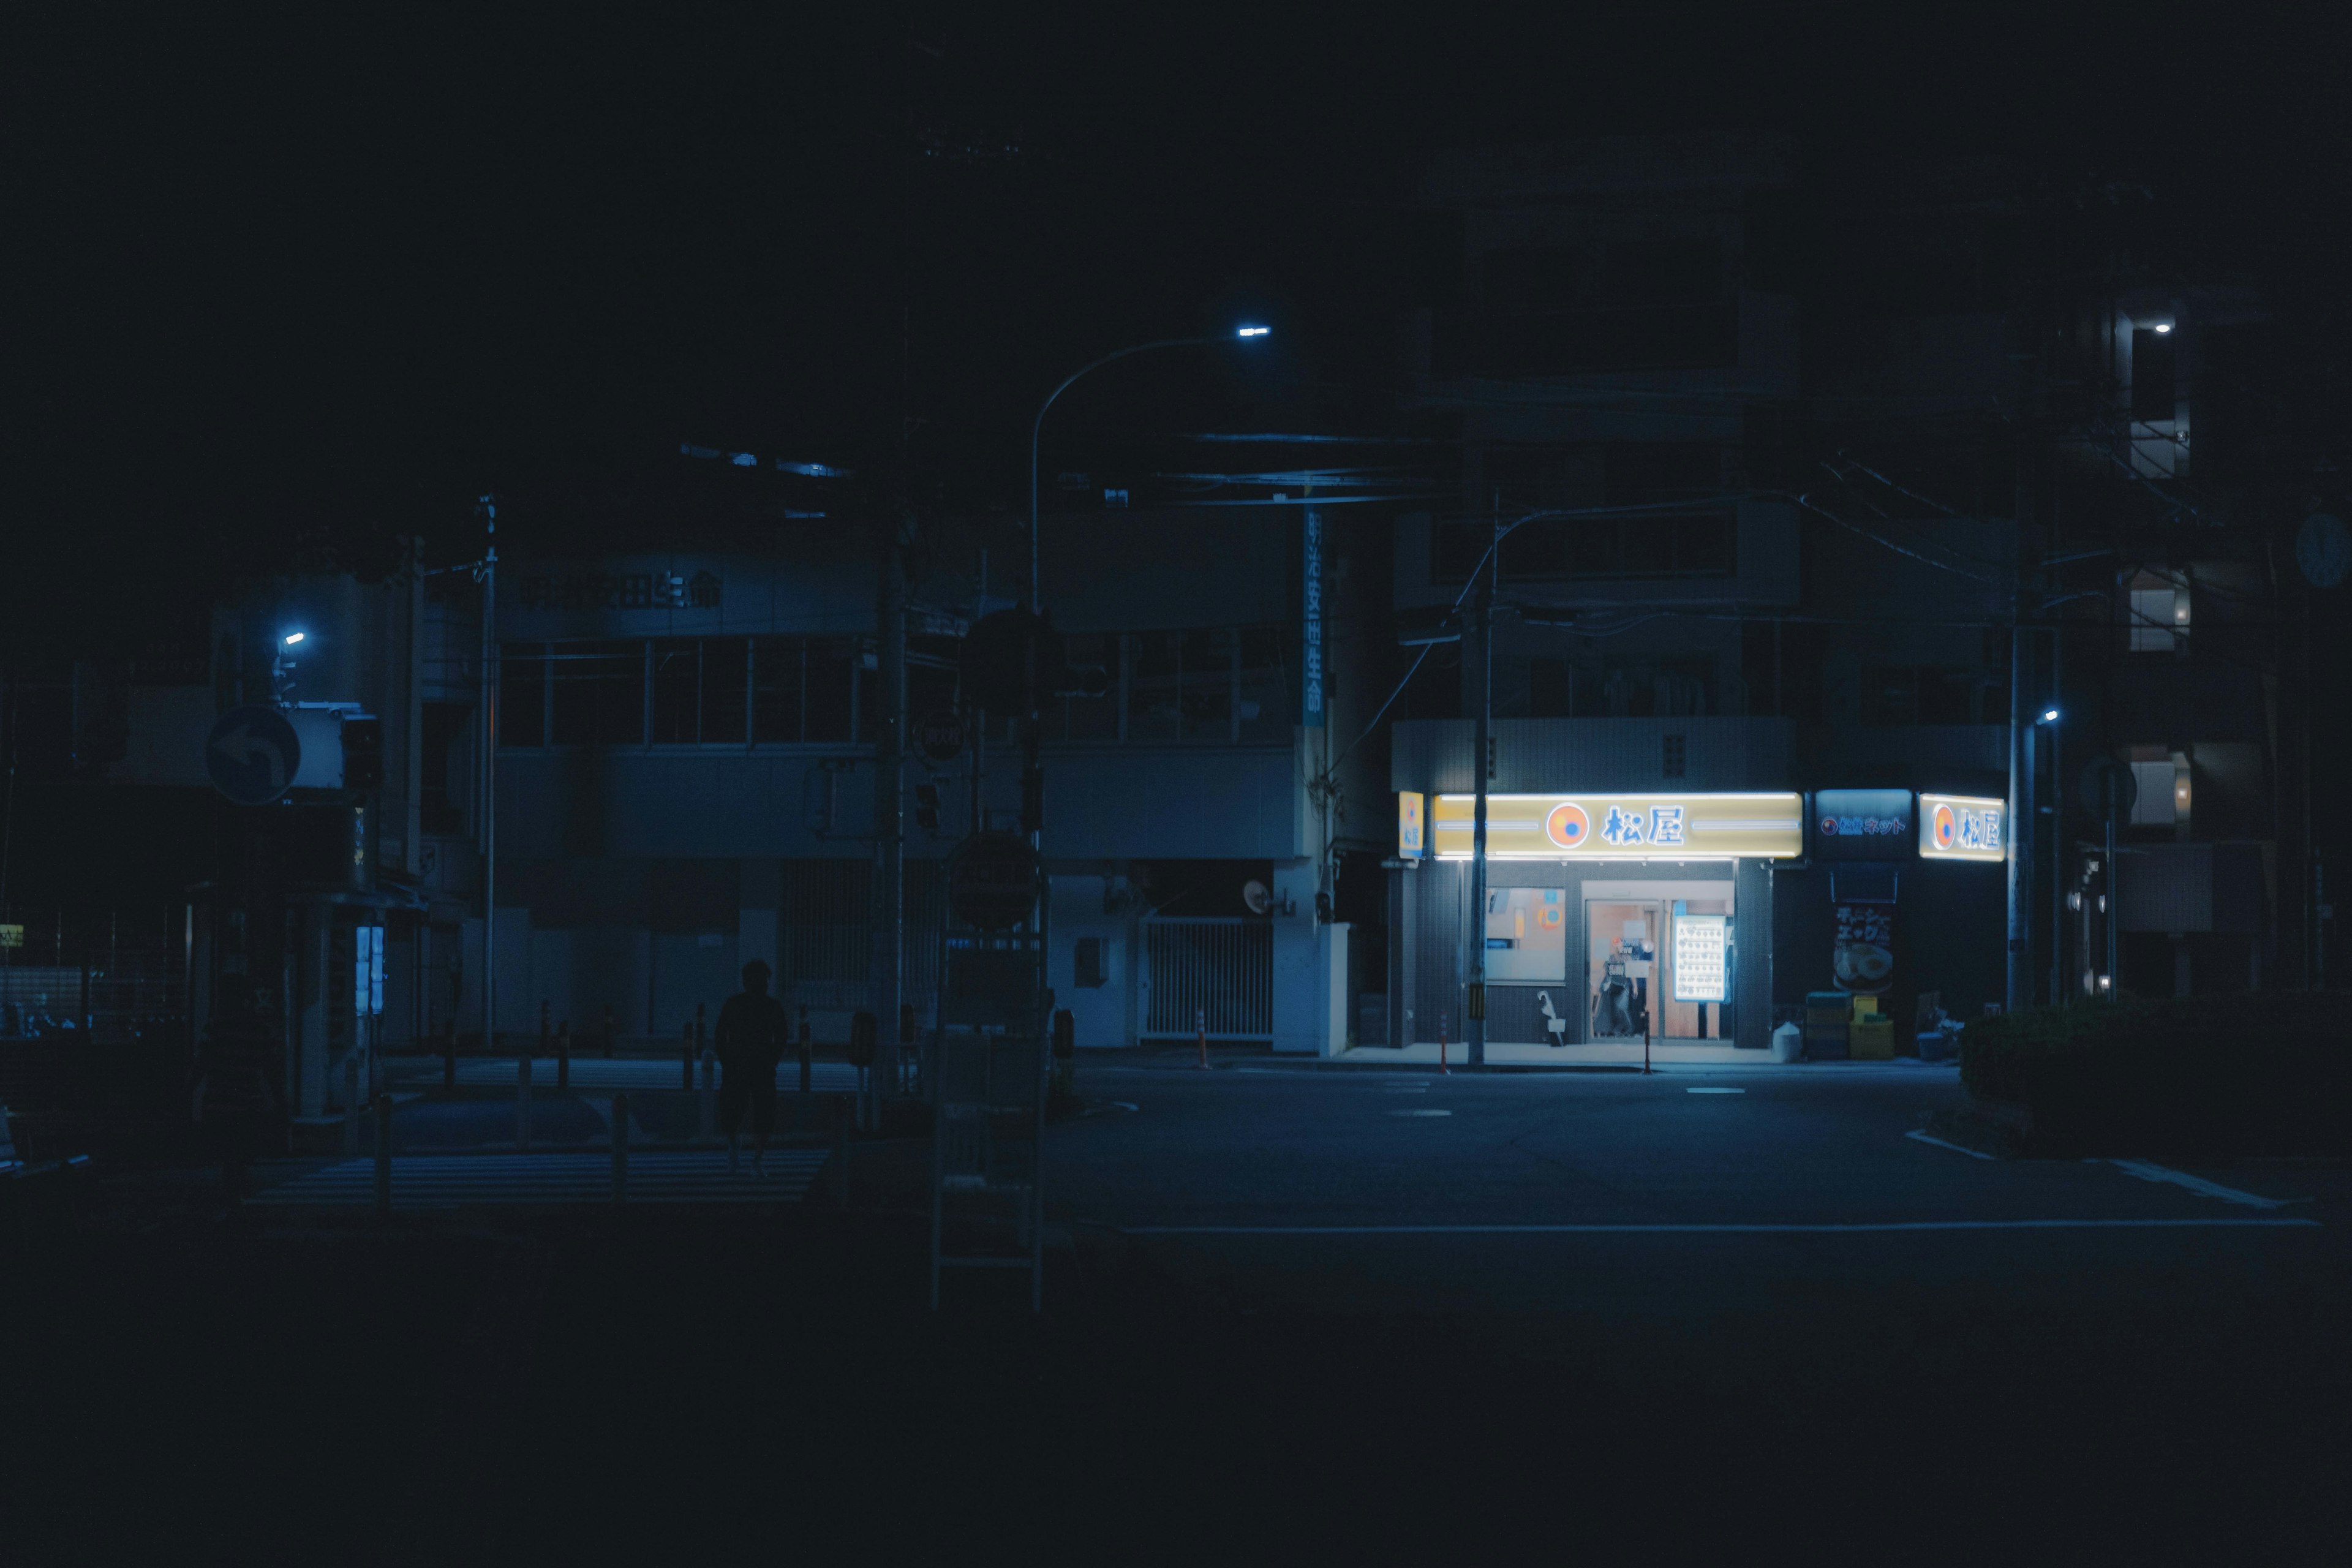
(751, 1039)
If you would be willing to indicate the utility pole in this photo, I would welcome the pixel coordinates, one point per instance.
(888, 964)
(489, 728)
(1474, 1030)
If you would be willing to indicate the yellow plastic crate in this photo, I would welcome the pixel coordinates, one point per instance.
(1872, 1038)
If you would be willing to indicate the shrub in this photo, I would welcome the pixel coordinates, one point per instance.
(2266, 1072)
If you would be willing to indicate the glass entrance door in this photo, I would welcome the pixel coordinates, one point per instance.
(1622, 968)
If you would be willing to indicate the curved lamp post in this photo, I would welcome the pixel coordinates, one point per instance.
(1038, 423)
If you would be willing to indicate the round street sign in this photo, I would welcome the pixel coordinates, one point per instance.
(939, 734)
(993, 882)
(252, 754)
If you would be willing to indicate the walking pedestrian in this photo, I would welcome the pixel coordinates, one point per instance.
(236, 1098)
(751, 1039)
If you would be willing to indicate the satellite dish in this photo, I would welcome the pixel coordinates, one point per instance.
(2323, 550)
(1254, 894)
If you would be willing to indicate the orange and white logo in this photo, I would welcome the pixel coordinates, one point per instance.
(1948, 827)
(1568, 826)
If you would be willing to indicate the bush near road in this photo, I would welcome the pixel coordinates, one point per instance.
(2258, 1073)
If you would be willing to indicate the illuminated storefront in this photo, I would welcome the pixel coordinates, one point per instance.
(1609, 918)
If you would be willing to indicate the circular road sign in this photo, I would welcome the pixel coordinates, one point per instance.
(993, 882)
(939, 734)
(252, 755)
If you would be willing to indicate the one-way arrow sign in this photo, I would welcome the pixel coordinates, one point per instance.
(252, 755)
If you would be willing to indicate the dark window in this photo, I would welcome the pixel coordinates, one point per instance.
(2152, 374)
(522, 694)
(1269, 701)
(600, 693)
(1455, 546)
(724, 673)
(1676, 757)
(1208, 675)
(1641, 473)
(1434, 250)
(931, 688)
(776, 690)
(677, 691)
(1655, 272)
(1092, 718)
(1890, 695)
(1946, 695)
(1088, 969)
(1155, 685)
(830, 688)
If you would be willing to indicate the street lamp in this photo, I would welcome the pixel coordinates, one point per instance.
(1242, 333)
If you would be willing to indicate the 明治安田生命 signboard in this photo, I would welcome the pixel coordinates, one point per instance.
(1962, 828)
(1622, 826)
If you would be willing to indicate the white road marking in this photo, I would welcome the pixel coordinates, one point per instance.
(1956, 1148)
(2147, 1172)
(1851, 1229)
(1715, 1092)
(1126, 1105)
(1420, 1113)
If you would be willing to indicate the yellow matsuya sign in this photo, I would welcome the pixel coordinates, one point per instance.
(1622, 826)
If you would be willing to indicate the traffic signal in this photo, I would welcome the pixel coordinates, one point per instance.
(362, 736)
(926, 806)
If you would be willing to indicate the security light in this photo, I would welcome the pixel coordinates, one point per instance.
(1253, 332)
(293, 637)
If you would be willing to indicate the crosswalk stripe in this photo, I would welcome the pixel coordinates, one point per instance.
(596, 1073)
(441, 1181)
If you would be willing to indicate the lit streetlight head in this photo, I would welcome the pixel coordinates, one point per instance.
(293, 637)
(1252, 332)
(2164, 326)
(2050, 715)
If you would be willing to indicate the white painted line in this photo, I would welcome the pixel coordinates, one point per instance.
(1856, 1229)
(2147, 1172)
(1420, 1113)
(1715, 1092)
(1126, 1105)
(1954, 1148)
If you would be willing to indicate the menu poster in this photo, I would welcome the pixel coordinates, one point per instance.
(1863, 951)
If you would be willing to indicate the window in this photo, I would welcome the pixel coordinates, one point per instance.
(1676, 759)
(599, 694)
(776, 690)
(830, 689)
(1087, 969)
(447, 774)
(1893, 694)
(1092, 718)
(2157, 614)
(1269, 700)
(677, 691)
(725, 672)
(2153, 372)
(1551, 693)
(522, 694)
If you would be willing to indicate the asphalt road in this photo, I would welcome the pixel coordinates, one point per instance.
(1288, 1313)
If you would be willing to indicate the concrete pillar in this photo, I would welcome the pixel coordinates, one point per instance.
(1301, 998)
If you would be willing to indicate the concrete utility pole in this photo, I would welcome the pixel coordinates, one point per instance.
(1474, 1030)
(888, 961)
(489, 728)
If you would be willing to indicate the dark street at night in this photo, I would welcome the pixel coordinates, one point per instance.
(1082, 787)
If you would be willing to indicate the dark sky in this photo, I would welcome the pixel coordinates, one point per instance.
(306, 267)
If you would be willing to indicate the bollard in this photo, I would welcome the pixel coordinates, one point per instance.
(686, 1052)
(522, 1100)
(351, 1103)
(608, 1031)
(1201, 1025)
(620, 1147)
(563, 1056)
(709, 1109)
(449, 1055)
(382, 1155)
